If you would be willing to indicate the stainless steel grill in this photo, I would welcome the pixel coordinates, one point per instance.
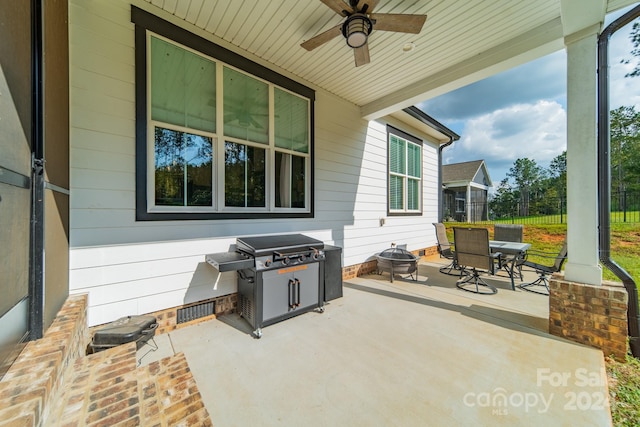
(279, 276)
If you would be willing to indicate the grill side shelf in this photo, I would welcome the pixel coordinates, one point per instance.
(230, 261)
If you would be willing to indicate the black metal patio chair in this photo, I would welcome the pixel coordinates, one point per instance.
(541, 284)
(445, 249)
(508, 232)
(473, 255)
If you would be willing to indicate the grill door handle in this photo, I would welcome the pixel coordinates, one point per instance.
(292, 289)
(297, 285)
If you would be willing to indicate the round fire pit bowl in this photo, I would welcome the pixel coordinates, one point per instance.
(397, 261)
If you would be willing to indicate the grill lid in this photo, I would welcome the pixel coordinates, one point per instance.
(266, 245)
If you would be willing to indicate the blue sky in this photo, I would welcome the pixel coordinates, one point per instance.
(522, 112)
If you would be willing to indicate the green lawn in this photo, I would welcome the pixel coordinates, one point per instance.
(628, 217)
(624, 391)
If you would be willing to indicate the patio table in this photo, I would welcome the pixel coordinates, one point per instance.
(516, 249)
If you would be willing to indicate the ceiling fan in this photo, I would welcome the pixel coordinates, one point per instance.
(360, 22)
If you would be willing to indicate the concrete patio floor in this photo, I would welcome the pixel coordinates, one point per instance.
(397, 354)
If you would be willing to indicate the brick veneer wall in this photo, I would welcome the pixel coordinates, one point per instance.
(588, 314)
(356, 270)
(32, 383)
(107, 390)
(428, 252)
(53, 382)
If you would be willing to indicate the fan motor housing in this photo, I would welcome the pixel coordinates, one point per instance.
(356, 29)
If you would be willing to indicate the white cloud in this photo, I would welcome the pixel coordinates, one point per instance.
(543, 78)
(536, 131)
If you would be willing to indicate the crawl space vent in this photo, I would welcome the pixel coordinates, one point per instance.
(196, 311)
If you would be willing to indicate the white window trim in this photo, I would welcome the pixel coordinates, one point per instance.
(405, 177)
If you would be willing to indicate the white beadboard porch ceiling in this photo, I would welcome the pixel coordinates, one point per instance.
(462, 41)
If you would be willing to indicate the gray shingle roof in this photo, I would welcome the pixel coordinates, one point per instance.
(460, 171)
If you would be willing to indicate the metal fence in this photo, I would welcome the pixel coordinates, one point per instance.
(625, 207)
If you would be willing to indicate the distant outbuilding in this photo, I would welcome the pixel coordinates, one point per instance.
(465, 188)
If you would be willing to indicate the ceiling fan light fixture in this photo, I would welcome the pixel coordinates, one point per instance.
(356, 30)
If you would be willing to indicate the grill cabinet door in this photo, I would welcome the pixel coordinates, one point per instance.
(289, 286)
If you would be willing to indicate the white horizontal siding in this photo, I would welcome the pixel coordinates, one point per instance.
(101, 179)
(362, 165)
(130, 267)
(113, 274)
(97, 83)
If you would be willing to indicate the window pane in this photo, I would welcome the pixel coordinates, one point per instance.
(183, 87)
(182, 160)
(298, 174)
(199, 171)
(291, 121)
(414, 159)
(290, 181)
(246, 107)
(413, 194)
(169, 168)
(244, 175)
(395, 193)
(397, 154)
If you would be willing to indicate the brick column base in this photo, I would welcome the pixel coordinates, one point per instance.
(589, 314)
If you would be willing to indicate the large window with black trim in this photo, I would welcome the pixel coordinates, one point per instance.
(404, 173)
(218, 136)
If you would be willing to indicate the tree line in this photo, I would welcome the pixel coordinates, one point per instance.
(530, 189)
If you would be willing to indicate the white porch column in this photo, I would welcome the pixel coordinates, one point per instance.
(582, 171)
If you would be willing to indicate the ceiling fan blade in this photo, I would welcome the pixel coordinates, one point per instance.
(398, 22)
(338, 6)
(361, 55)
(322, 38)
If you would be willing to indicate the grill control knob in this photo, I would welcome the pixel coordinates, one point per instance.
(267, 263)
(286, 260)
(302, 258)
(316, 255)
